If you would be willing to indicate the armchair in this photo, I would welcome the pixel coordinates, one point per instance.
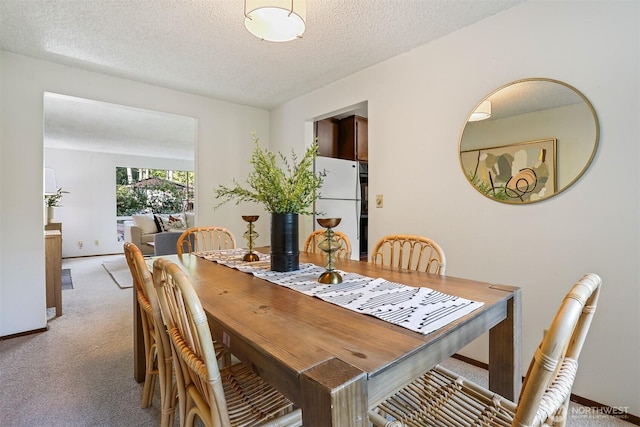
(134, 233)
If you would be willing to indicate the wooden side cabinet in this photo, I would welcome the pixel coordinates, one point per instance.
(353, 142)
(53, 226)
(53, 263)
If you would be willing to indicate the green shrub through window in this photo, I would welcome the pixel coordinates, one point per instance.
(141, 190)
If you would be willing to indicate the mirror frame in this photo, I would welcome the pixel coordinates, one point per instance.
(533, 140)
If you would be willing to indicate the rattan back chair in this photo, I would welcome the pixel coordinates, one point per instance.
(409, 252)
(229, 396)
(317, 236)
(202, 239)
(157, 348)
(443, 398)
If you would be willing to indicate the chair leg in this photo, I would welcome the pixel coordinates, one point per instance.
(168, 394)
(192, 413)
(149, 379)
(147, 390)
(225, 360)
(178, 389)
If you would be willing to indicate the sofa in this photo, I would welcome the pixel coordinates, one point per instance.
(166, 243)
(143, 229)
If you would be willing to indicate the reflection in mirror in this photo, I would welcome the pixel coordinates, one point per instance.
(540, 137)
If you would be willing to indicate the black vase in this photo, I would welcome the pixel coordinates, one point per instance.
(284, 242)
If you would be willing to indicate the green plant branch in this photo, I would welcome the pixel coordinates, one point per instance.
(53, 200)
(497, 193)
(291, 188)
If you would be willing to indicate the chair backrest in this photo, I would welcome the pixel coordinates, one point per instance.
(311, 244)
(547, 386)
(409, 252)
(190, 337)
(200, 239)
(154, 332)
(139, 274)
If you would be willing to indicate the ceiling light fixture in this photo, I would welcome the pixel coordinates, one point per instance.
(482, 112)
(275, 20)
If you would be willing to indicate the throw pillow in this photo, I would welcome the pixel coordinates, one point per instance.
(163, 221)
(171, 222)
(158, 222)
(176, 223)
(145, 222)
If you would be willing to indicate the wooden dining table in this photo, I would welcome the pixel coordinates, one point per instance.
(335, 363)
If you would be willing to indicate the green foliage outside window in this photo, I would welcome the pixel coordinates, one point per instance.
(156, 193)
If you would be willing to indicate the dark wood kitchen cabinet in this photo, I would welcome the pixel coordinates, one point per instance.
(327, 136)
(353, 138)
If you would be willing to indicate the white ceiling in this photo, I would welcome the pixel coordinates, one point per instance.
(82, 124)
(202, 47)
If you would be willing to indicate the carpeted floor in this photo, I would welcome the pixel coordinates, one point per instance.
(119, 272)
(79, 372)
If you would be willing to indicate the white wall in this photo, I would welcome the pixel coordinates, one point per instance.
(223, 146)
(88, 212)
(418, 103)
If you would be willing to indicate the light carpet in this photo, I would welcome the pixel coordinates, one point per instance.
(119, 272)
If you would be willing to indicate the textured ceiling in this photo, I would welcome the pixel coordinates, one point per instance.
(202, 47)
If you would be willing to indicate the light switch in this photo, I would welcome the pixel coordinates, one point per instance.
(379, 201)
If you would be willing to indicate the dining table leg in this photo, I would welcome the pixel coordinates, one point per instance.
(139, 369)
(505, 348)
(334, 393)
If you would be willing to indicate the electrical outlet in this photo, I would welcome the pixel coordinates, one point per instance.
(379, 201)
(80, 244)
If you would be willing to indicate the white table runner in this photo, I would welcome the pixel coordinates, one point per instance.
(420, 309)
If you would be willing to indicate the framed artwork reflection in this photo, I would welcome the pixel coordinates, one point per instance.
(516, 173)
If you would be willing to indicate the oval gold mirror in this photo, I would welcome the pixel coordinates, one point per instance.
(528, 141)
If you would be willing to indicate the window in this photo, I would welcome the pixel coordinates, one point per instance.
(142, 190)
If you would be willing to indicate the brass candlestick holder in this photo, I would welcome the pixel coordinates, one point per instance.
(330, 246)
(250, 235)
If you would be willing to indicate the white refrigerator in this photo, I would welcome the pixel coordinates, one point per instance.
(340, 197)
